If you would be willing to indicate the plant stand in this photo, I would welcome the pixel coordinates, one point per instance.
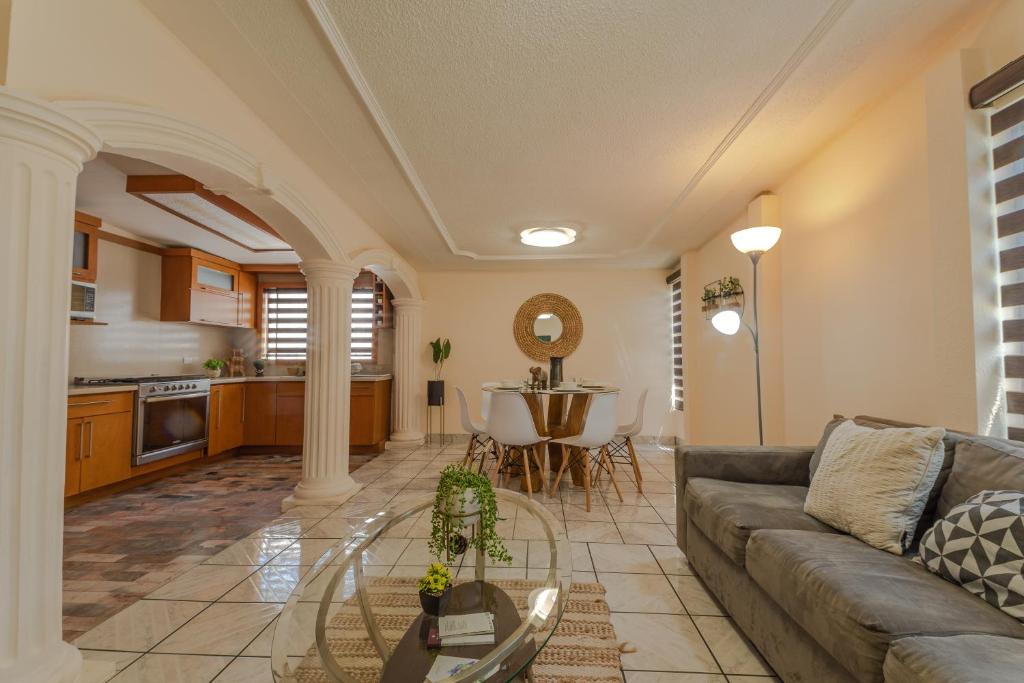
(442, 438)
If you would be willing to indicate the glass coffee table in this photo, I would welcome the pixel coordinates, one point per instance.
(355, 617)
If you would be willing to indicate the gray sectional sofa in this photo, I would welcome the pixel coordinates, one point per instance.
(822, 606)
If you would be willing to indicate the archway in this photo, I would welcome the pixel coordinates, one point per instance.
(408, 306)
(42, 149)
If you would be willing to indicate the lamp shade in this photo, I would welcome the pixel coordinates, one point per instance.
(757, 239)
(726, 322)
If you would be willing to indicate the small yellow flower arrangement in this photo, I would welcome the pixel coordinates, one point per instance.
(436, 580)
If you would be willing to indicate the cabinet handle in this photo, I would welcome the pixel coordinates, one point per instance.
(220, 409)
(81, 441)
(243, 403)
(89, 422)
(91, 403)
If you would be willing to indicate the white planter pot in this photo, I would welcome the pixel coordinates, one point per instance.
(468, 510)
(213, 374)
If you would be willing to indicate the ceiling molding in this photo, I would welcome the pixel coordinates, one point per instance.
(333, 34)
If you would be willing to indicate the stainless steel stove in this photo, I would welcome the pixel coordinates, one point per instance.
(171, 414)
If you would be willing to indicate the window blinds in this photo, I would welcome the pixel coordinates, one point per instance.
(287, 313)
(675, 284)
(1007, 130)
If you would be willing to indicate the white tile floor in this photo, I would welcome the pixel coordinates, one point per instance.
(216, 622)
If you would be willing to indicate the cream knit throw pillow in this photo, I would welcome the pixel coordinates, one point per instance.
(874, 483)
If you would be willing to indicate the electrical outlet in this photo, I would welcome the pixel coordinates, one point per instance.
(189, 360)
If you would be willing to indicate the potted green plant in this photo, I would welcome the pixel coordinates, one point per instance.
(435, 589)
(213, 367)
(440, 350)
(465, 499)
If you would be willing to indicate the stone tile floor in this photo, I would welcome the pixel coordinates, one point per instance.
(215, 620)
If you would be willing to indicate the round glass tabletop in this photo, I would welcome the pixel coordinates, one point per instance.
(356, 614)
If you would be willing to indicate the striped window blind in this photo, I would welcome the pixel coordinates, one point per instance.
(675, 283)
(285, 318)
(1007, 130)
(362, 324)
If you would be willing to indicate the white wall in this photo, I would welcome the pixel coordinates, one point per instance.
(885, 297)
(135, 341)
(625, 332)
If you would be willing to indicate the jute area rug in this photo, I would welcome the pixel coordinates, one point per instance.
(583, 648)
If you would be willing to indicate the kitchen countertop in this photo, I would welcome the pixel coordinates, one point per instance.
(83, 389)
(80, 389)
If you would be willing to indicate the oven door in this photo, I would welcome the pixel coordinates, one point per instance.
(169, 425)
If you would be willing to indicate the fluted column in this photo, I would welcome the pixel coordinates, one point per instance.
(325, 478)
(41, 154)
(405, 417)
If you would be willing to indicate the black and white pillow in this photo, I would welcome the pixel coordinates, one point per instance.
(980, 545)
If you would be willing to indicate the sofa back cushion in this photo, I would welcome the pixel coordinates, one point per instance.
(875, 483)
(982, 464)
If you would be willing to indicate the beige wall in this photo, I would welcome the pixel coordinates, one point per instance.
(625, 332)
(135, 341)
(884, 300)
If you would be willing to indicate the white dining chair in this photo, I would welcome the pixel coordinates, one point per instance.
(485, 399)
(510, 424)
(592, 442)
(480, 442)
(621, 449)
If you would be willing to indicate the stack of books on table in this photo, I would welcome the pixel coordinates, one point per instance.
(466, 629)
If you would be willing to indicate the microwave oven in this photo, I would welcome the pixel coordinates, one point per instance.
(83, 300)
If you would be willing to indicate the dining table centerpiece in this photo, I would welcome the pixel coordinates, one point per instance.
(464, 501)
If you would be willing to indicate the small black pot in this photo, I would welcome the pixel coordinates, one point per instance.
(435, 392)
(459, 544)
(435, 605)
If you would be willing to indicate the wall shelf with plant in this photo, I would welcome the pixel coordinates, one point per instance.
(722, 295)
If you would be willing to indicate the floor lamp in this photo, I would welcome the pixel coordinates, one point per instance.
(753, 242)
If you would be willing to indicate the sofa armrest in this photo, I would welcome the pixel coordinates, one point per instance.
(748, 464)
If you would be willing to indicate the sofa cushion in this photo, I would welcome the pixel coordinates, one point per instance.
(854, 600)
(954, 659)
(982, 464)
(728, 511)
(874, 483)
(980, 546)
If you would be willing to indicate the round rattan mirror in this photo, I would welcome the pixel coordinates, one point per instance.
(548, 325)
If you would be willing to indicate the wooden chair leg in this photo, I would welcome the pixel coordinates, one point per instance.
(586, 479)
(468, 460)
(561, 468)
(607, 461)
(502, 454)
(524, 450)
(538, 454)
(636, 465)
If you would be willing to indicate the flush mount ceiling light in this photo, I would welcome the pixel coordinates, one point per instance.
(547, 237)
(189, 200)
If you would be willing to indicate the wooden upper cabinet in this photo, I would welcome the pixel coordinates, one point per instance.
(200, 288)
(260, 413)
(247, 299)
(86, 247)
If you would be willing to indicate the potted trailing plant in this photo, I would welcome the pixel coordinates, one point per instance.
(440, 350)
(213, 367)
(435, 589)
(730, 290)
(465, 499)
(709, 299)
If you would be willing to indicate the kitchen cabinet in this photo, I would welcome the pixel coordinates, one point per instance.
(291, 399)
(85, 251)
(260, 413)
(99, 441)
(202, 288)
(227, 418)
(369, 416)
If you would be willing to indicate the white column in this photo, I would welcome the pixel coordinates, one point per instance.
(325, 478)
(41, 154)
(405, 419)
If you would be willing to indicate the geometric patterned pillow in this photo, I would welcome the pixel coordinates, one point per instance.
(980, 546)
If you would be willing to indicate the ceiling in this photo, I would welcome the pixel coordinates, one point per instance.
(101, 193)
(646, 126)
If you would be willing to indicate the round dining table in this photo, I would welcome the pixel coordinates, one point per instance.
(564, 415)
